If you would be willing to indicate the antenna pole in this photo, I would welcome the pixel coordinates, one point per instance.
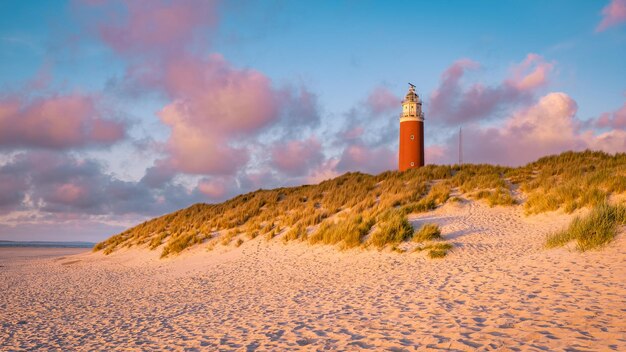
(460, 146)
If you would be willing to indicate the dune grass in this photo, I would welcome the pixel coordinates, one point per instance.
(270, 235)
(228, 237)
(570, 180)
(393, 228)
(595, 230)
(428, 232)
(439, 250)
(431, 233)
(567, 181)
(435, 250)
(348, 232)
(295, 233)
(499, 196)
(438, 194)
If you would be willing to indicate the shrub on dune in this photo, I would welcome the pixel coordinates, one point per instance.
(349, 232)
(595, 230)
(500, 196)
(393, 228)
(435, 250)
(439, 250)
(422, 206)
(428, 232)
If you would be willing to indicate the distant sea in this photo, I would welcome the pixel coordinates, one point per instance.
(46, 244)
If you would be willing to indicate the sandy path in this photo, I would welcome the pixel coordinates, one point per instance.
(498, 290)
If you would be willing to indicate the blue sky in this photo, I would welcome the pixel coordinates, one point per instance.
(327, 77)
(345, 48)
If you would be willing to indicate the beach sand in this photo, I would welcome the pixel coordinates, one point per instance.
(499, 289)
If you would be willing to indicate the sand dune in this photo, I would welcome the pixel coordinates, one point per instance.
(497, 290)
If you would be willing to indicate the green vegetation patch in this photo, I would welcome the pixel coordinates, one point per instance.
(570, 180)
(595, 230)
(348, 232)
(393, 228)
(436, 250)
(499, 196)
(428, 232)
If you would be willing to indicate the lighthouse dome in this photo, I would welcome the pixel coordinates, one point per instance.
(411, 96)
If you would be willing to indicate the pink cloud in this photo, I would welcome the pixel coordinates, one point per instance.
(215, 108)
(436, 154)
(57, 183)
(548, 127)
(324, 171)
(372, 160)
(382, 100)
(214, 189)
(297, 157)
(221, 188)
(219, 96)
(616, 119)
(612, 15)
(353, 133)
(57, 122)
(215, 111)
(449, 87)
(452, 103)
(212, 105)
(69, 193)
(193, 148)
(531, 73)
(613, 141)
(150, 26)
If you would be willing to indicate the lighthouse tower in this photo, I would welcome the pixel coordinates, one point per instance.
(411, 152)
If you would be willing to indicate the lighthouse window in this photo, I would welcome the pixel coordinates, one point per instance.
(412, 137)
(412, 163)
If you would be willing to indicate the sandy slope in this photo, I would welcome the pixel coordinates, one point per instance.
(498, 290)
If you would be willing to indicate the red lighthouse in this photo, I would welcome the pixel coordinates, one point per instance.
(411, 152)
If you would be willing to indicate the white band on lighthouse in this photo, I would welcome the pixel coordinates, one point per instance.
(411, 118)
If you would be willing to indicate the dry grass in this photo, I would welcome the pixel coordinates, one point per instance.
(568, 181)
(270, 235)
(297, 232)
(228, 237)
